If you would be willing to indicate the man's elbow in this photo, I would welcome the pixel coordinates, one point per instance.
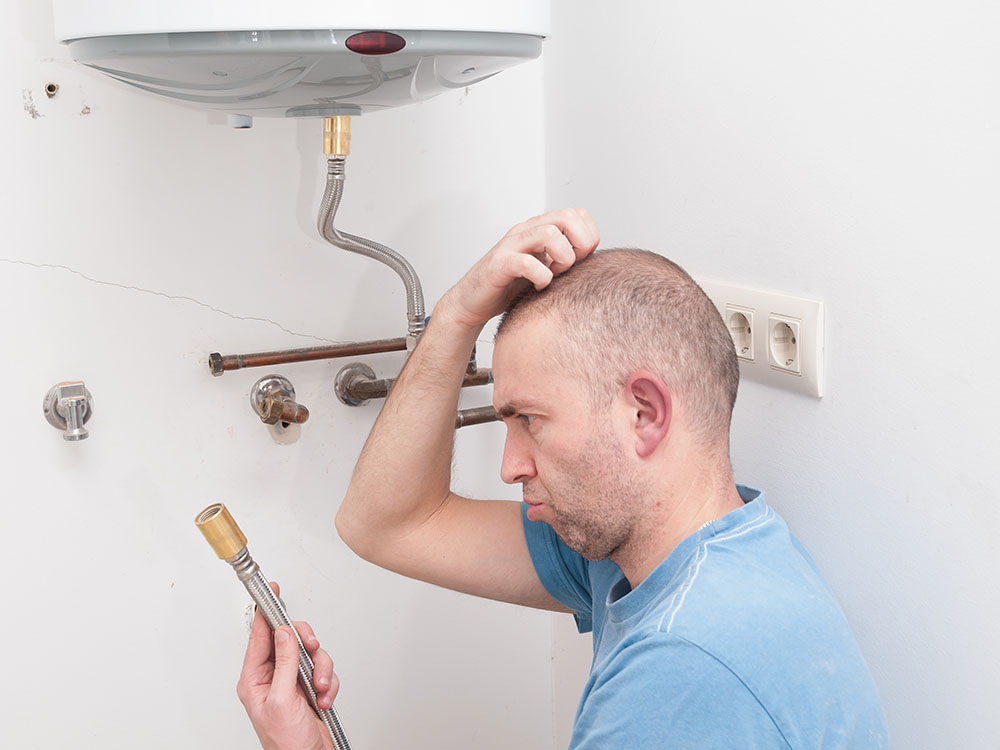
(350, 532)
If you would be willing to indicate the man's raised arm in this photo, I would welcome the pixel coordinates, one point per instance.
(399, 512)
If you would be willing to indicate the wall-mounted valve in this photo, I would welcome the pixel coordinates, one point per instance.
(356, 385)
(68, 406)
(273, 400)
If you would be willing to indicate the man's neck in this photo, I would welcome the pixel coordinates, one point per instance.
(680, 510)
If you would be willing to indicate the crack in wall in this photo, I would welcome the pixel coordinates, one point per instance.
(179, 297)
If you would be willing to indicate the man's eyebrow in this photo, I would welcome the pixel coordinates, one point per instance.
(513, 408)
(507, 411)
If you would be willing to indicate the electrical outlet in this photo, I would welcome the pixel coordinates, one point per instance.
(778, 338)
(739, 320)
(783, 344)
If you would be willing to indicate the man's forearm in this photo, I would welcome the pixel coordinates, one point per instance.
(404, 472)
(403, 477)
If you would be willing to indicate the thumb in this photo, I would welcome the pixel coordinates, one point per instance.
(286, 664)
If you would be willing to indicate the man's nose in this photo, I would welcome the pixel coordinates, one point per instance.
(518, 464)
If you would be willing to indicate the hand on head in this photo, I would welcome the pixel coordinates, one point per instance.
(532, 252)
(268, 688)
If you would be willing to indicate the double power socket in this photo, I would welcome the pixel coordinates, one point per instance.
(778, 337)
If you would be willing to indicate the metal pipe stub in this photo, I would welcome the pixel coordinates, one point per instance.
(476, 415)
(356, 384)
(221, 363)
(221, 531)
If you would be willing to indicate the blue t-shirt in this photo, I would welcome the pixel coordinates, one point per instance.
(733, 641)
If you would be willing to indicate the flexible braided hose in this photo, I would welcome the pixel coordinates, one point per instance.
(230, 544)
(368, 248)
(268, 604)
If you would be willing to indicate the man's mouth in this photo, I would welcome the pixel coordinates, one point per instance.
(534, 508)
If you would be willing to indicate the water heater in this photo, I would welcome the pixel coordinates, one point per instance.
(301, 58)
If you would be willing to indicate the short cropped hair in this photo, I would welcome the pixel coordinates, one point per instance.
(623, 310)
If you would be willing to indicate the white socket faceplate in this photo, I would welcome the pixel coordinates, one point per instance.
(787, 335)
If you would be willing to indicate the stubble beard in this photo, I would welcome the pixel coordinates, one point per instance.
(595, 500)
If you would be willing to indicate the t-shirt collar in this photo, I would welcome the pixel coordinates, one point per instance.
(624, 602)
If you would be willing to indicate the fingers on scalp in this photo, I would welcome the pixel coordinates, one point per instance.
(595, 233)
(517, 229)
(530, 268)
(579, 229)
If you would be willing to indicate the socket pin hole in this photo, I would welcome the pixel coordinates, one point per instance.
(783, 344)
(51, 89)
(739, 329)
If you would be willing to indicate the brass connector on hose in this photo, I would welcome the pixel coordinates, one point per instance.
(221, 531)
(337, 135)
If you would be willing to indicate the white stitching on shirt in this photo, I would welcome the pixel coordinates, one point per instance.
(695, 568)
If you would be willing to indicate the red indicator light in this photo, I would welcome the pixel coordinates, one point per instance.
(375, 43)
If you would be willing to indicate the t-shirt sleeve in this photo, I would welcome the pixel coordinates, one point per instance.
(664, 693)
(563, 572)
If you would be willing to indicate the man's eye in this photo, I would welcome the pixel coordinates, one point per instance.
(526, 418)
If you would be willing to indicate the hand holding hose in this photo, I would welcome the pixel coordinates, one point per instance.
(269, 689)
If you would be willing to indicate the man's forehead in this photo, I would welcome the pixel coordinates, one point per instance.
(521, 352)
(528, 375)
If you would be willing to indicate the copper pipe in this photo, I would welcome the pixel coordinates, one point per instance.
(478, 415)
(218, 363)
(364, 390)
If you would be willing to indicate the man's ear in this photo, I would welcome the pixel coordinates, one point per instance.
(650, 399)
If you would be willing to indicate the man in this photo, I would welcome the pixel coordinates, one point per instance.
(615, 378)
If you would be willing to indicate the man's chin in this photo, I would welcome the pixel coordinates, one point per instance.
(584, 548)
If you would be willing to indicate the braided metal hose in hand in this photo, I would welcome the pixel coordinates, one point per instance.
(229, 544)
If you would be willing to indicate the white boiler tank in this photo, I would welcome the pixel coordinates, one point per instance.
(301, 58)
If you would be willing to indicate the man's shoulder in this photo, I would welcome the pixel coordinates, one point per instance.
(755, 605)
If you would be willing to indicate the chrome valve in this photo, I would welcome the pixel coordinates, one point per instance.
(273, 400)
(68, 406)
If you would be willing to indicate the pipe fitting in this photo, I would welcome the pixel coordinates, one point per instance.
(274, 409)
(337, 135)
(356, 385)
(220, 530)
(272, 398)
(349, 382)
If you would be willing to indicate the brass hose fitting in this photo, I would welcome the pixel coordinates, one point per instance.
(337, 135)
(220, 530)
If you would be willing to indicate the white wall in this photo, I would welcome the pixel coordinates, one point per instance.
(849, 152)
(843, 151)
(141, 236)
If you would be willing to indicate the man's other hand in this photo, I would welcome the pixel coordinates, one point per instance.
(532, 252)
(268, 688)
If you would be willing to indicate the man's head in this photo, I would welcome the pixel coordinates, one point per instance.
(624, 310)
(592, 375)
